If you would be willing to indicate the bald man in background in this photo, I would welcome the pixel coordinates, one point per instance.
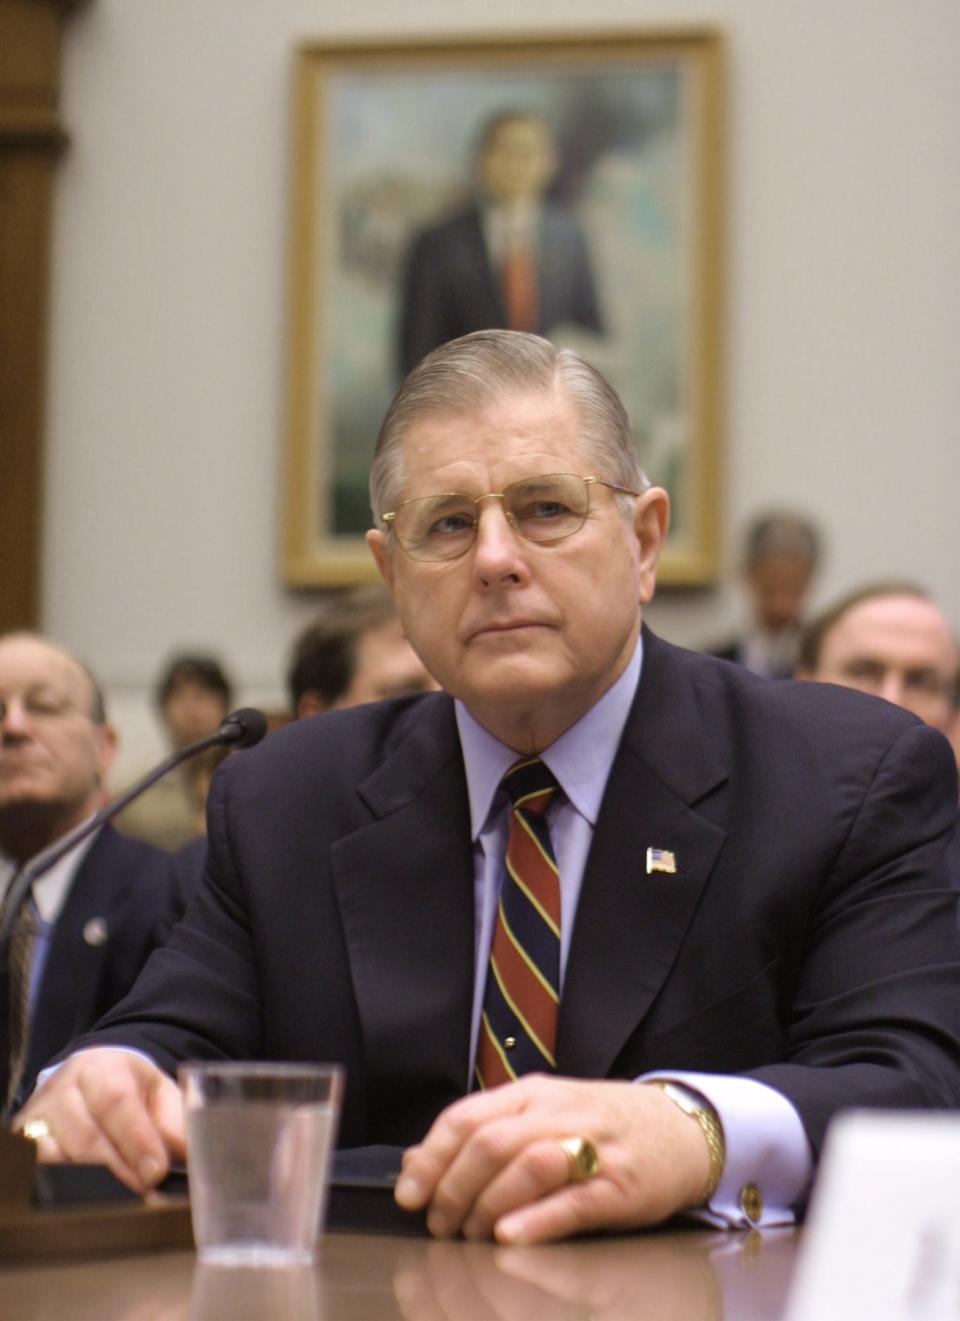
(91, 921)
(892, 640)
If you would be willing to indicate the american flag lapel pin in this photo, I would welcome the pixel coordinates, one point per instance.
(661, 860)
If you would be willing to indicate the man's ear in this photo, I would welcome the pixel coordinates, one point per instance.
(377, 542)
(107, 745)
(650, 522)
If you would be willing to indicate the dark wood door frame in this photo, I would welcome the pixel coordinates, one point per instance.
(31, 141)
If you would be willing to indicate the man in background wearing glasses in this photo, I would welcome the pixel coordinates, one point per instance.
(719, 915)
(87, 926)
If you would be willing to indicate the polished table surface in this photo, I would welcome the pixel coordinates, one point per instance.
(667, 1275)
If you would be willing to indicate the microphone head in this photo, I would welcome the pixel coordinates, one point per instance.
(243, 728)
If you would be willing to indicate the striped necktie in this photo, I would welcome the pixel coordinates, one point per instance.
(518, 1028)
(15, 995)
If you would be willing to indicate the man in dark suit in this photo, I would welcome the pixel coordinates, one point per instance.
(749, 910)
(96, 916)
(513, 258)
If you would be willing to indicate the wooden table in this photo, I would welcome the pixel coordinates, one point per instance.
(669, 1275)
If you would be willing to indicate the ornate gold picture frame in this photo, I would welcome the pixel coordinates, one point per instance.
(385, 148)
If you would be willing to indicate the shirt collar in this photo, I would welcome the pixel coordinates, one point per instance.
(580, 758)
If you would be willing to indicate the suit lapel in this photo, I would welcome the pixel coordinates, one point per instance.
(74, 968)
(405, 889)
(630, 921)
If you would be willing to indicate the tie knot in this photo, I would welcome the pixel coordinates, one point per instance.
(530, 784)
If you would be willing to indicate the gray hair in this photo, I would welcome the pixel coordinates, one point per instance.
(469, 374)
(781, 532)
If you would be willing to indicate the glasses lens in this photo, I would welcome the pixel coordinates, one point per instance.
(438, 527)
(547, 508)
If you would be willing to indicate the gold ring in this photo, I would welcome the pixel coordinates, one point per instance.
(35, 1129)
(583, 1158)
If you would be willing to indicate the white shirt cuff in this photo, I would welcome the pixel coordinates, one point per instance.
(769, 1163)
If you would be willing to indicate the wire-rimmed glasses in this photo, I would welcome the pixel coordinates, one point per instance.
(543, 509)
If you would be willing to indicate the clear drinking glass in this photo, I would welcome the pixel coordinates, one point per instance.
(259, 1139)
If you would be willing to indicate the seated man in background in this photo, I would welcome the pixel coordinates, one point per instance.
(780, 556)
(608, 929)
(355, 651)
(193, 694)
(890, 639)
(86, 930)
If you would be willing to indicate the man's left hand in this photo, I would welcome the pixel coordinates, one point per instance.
(493, 1164)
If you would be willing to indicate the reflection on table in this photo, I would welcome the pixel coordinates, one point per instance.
(674, 1275)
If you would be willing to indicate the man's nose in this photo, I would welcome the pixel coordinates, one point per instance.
(14, 719)
(891, 687)
(498, 553)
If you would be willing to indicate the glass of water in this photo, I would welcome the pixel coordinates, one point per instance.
(259, 1138)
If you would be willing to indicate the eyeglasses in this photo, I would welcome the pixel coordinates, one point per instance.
(542, 509)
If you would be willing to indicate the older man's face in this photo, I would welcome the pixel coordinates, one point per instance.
(528, 635)
(899, 648)
(52, 753)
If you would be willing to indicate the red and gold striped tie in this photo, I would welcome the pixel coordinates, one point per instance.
(518, 1027)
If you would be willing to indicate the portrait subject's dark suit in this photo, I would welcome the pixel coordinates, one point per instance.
(123, 902)
(449, 287)
(807, 938)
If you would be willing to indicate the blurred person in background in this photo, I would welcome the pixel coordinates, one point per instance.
(890, 639)
(86, 927)
(354, 651)
(192, 695)
(780, 557)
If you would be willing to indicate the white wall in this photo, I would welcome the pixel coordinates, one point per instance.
(167, 335)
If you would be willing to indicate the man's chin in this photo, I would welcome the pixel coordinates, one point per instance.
(511, 678)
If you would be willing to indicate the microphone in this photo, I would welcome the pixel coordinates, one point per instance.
(240, 729)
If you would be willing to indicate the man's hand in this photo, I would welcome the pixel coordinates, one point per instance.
(492, 1163)
(110, 1107)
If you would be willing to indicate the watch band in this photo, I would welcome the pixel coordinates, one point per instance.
(698, 1108)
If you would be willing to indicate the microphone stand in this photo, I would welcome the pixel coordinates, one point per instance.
(241, 729)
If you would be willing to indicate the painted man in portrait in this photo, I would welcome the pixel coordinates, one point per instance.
(512, 259)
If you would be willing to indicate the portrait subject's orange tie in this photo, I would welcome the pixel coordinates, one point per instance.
(518, 1026)
(519, 278)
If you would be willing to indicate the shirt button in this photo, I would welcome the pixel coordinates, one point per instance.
(751, 1202)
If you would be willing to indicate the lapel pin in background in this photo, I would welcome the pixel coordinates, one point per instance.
(95, 932)
(661, 860)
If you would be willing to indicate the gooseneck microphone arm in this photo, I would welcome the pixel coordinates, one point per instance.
(241, 729)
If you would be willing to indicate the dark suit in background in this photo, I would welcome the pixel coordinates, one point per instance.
(450, 288)
(807, 939)
(122, 904)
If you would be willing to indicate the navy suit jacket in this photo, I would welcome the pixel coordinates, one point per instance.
(124, 901)
(449, 287)
(807, 939)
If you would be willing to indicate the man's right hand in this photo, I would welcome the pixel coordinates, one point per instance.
(110, 1107)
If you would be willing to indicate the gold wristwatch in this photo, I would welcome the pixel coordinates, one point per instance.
(694, 1105)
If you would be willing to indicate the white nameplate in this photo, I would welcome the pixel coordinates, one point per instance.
(882, 1241)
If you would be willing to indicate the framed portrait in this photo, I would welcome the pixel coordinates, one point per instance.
(412, 161)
